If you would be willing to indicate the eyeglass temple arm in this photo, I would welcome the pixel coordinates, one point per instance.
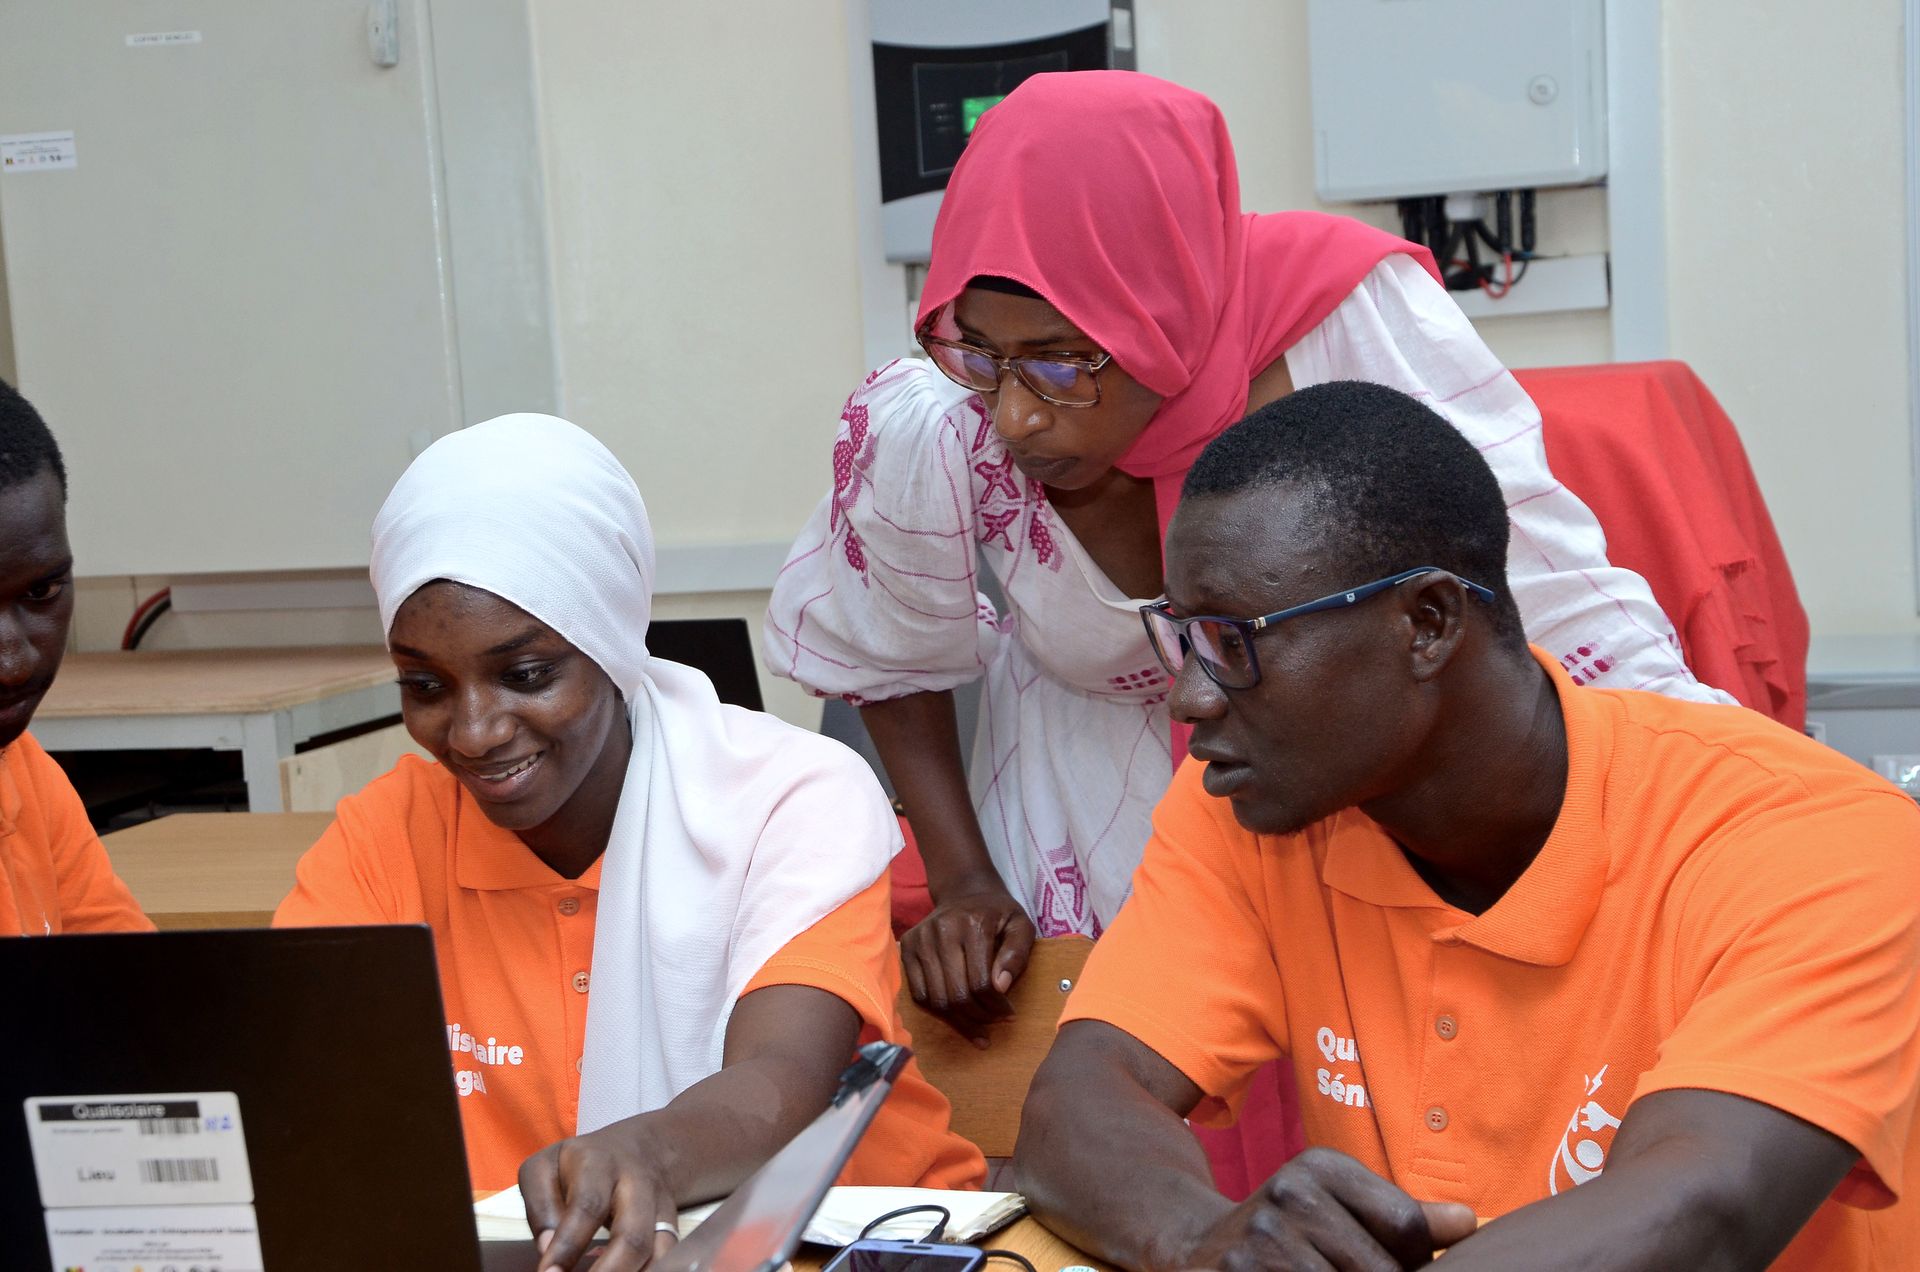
(1339, 600)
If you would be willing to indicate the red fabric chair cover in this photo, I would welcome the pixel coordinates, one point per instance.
(912, 901)
(1646, 446)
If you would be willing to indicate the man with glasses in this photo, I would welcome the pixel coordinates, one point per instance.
(1592, 979)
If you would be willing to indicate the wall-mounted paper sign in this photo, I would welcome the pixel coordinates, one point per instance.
(161, 39)
(37, 152)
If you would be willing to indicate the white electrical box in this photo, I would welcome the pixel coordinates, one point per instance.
(1426, 97)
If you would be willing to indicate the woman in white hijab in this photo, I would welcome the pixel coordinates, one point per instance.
(598, 817)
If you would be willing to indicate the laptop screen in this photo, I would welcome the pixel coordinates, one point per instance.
(760, 1225)
(177, 1095)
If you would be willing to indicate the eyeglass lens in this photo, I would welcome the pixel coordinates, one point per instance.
(1223, 649)
(1062, 380)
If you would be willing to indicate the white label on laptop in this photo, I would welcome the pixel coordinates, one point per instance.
(210, 1238)
(139, 1150)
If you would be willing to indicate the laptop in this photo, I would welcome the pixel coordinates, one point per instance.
(759, 1227)
(228, 1100)
(282, 1098)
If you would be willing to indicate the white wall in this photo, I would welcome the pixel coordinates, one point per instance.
(6, 321)
(1250, 56)
(1785, 217)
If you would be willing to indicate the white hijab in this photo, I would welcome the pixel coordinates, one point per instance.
(735, 832)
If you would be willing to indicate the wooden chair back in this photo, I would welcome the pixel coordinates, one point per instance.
(314, 781)
(987, 1088)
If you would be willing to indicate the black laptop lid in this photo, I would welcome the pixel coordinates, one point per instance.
(333, 1040)
(760, 1226)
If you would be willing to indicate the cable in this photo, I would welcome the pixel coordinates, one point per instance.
(131, 634)
(146, 623)
(1506, 264)
(939, 1229)
(1011, 1256)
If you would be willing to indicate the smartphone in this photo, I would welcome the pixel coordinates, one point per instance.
(905, 1256)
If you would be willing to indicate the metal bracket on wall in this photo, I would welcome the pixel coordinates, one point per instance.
(383, 32)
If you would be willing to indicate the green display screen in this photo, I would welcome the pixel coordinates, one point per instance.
(971, 108)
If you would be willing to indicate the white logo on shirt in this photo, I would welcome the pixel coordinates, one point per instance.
(1582, 1157)
(487, 1051)
(1333, 1083)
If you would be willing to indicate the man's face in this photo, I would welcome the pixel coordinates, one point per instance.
(1337, 716)
(36, 597)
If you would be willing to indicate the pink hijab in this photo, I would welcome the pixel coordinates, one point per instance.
(1115, 196)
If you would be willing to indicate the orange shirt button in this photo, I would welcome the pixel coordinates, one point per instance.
(579, 982)
(580, 1065)
(1446, 1027)
(569, 905)
(1436, 1118)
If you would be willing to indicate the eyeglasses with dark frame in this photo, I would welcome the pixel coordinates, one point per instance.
(1061, 379)
(1224, 646)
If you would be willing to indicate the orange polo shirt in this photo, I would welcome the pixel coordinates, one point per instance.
(515, 945)
(1722, 904)
(54, 874)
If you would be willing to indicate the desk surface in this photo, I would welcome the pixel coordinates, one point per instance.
(213, 870)
(209, 681)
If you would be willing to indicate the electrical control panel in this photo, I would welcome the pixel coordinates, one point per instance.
(938, 67)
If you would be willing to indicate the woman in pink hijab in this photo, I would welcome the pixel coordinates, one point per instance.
(1098, 308)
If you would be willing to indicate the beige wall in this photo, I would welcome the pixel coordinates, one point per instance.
(698, 173)
(1785, 214)
(698, 162)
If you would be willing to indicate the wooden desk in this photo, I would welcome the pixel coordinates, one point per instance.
(213, 870)
(260, 702)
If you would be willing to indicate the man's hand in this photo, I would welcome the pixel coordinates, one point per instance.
(611, 1178)
(1325, 1210)
(961, 960)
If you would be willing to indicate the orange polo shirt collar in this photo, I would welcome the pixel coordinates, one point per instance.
(489, 859)
(1539, 920)
(10, 797)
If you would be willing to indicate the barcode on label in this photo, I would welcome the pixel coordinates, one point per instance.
(170, 1126)
(179, 1170)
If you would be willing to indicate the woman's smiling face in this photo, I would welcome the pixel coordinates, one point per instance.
(524, 720)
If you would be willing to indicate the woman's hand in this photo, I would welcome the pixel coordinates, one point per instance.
(961, 960)
(611, 1178)
(785, 1048)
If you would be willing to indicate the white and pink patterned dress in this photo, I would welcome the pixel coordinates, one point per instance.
(879, 597)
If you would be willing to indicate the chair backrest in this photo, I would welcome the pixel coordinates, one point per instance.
(314, 781)
(1651, 453)
(987, 1088)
